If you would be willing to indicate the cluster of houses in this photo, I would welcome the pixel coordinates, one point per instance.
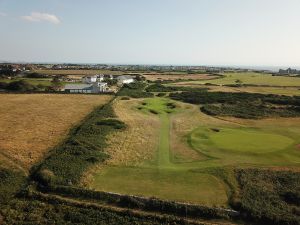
(96, 84)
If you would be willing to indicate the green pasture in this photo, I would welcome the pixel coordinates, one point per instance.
(198, 181)
(253, 78)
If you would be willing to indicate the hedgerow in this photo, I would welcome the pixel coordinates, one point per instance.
(141, 203)
(39, 210)
(84, 147)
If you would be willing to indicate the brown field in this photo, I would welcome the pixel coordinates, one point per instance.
(138, 143)
(154, 76)
(31, 124)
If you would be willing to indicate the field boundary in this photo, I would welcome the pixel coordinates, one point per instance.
(142, 203)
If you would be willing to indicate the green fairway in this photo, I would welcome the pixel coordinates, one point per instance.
(186, 186)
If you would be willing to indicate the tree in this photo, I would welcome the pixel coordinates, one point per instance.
(56, 84)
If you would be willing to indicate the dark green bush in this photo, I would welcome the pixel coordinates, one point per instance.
(153, 111)
(134, 90)
(10, 183)
(162, 88)
(116, 124)
(243, 105)
(20, 86)
(161, 94)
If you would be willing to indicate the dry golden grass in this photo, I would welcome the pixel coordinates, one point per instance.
(154, 76)
(31, 124)
(139, 142)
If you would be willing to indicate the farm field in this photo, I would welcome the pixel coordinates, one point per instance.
(252, 78)
(76, 72)
(157, 76)
(31, 124)
(290, 91)
(193, 147)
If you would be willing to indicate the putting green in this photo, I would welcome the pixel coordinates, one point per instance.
(249, 140)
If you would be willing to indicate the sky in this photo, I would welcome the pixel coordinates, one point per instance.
(170, 32)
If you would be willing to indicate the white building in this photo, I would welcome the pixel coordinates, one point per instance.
(89, 79)
(96, 87)
(125, 79)
(100, 77)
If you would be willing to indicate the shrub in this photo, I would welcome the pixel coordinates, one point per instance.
(153, 111)
(45, 177)
(116, 124)
(3, 85)
(134, 90)
(161, 94)
(36, 75)
(264, 196)
(21, 86)
(10, 183)
(242, 105)
(158, 87)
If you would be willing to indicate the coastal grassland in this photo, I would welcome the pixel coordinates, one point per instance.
(252, 78)
(31, 124)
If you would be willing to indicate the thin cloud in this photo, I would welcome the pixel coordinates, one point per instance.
(3, 14)
(42, 17)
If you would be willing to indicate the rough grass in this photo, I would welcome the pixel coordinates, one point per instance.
(139, 141)
(33, 123)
